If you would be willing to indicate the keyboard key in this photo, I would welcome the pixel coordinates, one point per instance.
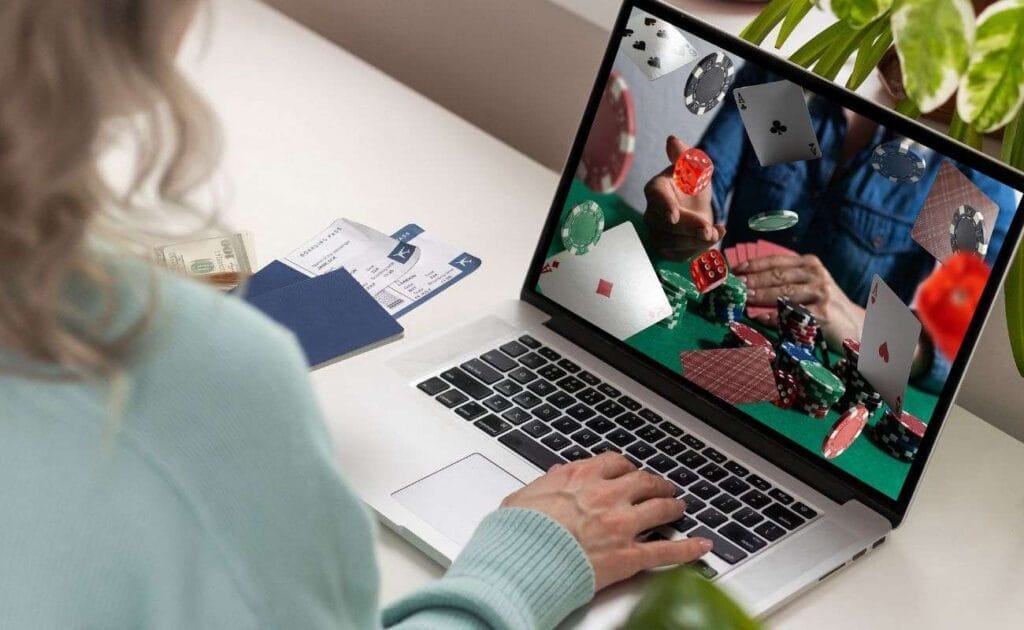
(551, 372)
(703, 489)
(682, 476)
(755, 499)
(546, 412)
(662, 463)
(529, 342)
(527, 399)
(734, 486)
(632, 460)
(600, 424)
(628, 420)
(693, 504)
(608, 390)
(725, 504)
(509, 388)
(574, 453)
(492, 425)
(469, 385)
(516, 416)
(736, 469)
(650, 433)
(532, 360)
(739, 535)
(556, 441)
(514, 348)
(641, 450)
(588, 378)
(692, 460)
(783, 516)
(568, 366)
(566, 425)
(548, 354)
(769, 531)
(497, 403)
(629, 403)
(723, 548)
(536, 428)
(605, 447)
(433, 386)
(747, 517)
(759, 483)
(591, 396)
(470, 411)
(581, 412)
(803, 510)
(780, 496)
(571, 384)
(482, 371)
(621, 437)
(561, 400)
(611, 409)
(712, 518)
(671, 429)
(499, 361)
(530, 450)
(522, 375)
(670, 446)
(541, 387)
(586, 437)
(714, 455)
(693, 442)
(649, 416)
(451, 398)
(713, 473)
(684, 524)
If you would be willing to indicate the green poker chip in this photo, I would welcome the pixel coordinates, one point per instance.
(582, 228)
(678, 285)
(773, 220)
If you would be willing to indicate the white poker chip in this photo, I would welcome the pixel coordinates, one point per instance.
(967, 231)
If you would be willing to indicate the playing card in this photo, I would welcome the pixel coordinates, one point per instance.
(751, 251)
(614, 286)
(887, 344)
(736, 375)
(768, 248)
(778, 122)
(730, 256)
(950, 190)
(657, 47)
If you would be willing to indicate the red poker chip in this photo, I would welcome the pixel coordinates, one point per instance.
(608, 154)
(911, 424)
(845, 431)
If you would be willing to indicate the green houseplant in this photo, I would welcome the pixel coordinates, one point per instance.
(682, 599)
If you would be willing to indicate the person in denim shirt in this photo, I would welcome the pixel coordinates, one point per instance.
(853, 223)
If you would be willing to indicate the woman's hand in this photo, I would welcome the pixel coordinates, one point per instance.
(805, 280)
(605, 502)
(681, 225)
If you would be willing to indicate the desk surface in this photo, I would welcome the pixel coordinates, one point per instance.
(313, 134)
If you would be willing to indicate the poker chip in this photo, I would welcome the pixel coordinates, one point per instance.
(582, 228)
(845, 431)
(967, 231)
(773, 220)
(797, 324)
(726, 302)
(899, 435)
(708, 83)
(608, 154)
(896, 161)
(743, 336)
(676, 284)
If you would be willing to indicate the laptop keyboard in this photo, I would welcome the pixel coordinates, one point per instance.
(549, 410)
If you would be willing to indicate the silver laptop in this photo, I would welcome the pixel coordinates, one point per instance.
(613, 346)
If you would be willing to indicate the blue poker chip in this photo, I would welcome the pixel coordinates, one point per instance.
(896, 161)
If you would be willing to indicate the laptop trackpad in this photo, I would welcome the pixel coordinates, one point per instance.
(456, 498)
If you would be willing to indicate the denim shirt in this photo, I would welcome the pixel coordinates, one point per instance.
(858, 225)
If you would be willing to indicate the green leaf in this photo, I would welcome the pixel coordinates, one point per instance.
(1015, 309)
(993, 89)
(765, 21)
(820, 44)
(797, 12)
(681, 599)
(860, 13)
(933, 39)
(870, 54)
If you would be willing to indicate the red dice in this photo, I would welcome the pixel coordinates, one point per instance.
(693, 171)
(709, 270)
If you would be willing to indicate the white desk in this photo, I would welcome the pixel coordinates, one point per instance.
(313, 134)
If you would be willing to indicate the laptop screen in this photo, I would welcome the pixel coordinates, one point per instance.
(795, 260)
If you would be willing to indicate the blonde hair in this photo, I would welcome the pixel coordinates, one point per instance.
(71, 73)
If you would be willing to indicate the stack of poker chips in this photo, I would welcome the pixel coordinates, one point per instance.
(680, 291)
(790, 355)
(858, 390)
(796, 323)
(819, 389)
(743, 336)
(725, 303)
(899, 435)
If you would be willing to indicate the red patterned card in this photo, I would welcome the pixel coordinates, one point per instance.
(736, 375)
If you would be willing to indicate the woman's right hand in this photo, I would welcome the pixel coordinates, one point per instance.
(605, 502)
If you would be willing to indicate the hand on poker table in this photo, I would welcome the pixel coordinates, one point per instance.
(681, 225)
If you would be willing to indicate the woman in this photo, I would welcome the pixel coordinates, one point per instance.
(165, 463)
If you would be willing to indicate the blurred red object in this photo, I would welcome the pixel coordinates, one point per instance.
(946, 301)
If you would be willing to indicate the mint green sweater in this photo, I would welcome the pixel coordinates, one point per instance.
(218, 504)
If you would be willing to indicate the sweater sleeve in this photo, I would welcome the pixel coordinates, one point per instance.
(520, 570)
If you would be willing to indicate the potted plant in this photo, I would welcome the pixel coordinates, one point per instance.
(682, 599)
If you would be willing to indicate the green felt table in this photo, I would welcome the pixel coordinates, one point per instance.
(863, 459)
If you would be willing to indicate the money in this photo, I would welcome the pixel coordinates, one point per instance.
(222, 260)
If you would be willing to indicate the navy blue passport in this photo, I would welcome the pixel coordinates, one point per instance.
(332, 315)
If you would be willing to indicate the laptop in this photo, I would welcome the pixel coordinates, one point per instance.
(810, 456)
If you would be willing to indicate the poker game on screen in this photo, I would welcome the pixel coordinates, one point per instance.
(788, 256)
